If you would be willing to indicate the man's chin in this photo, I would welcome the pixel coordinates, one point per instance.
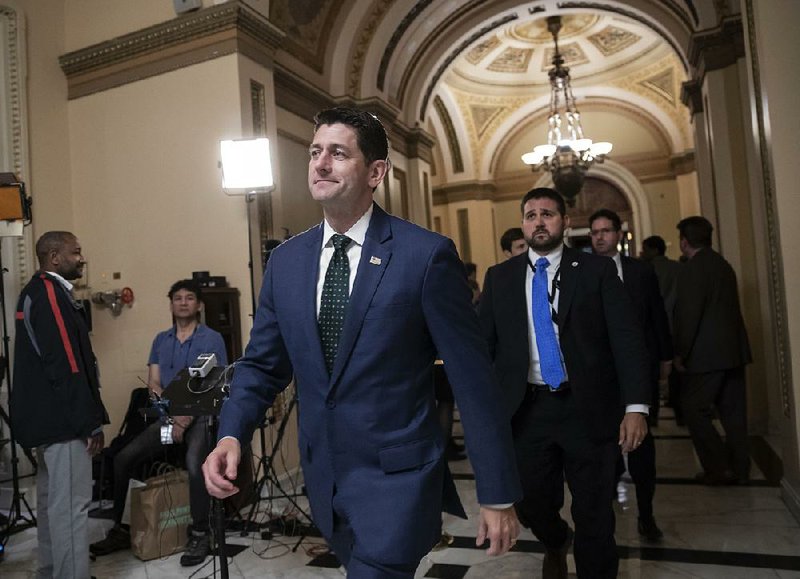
(546, 245)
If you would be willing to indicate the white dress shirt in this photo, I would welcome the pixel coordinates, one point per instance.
(554, 257)
(534, 369)
(358, 233)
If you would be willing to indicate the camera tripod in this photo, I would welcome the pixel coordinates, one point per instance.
(266, 470)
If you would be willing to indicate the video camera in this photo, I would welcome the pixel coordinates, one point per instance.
(198, 390)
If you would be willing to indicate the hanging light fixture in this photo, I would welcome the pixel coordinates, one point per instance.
(567, 154)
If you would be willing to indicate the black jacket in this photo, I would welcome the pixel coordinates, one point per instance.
(600, 338)
(709, 331)
(55, 393)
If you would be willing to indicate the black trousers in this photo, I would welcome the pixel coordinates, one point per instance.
(723, 391)
(552, 443)
(642, 468)
(147, 446)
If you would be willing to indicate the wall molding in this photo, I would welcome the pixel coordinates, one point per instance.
(777, 284)
(464, 191)
(15, 137)
(791, 496)
(709, 50)
(303, 99)
(190, 39)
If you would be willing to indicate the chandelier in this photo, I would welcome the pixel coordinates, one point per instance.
(567, 154)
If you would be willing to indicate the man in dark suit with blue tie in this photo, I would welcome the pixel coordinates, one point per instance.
(572, 364)
(356, 309)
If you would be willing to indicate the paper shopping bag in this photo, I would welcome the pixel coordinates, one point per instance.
(160, 515)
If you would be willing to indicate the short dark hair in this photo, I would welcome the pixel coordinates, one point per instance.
(186, 284)
(696, 231)
(509, 237)
(544, 193)
(656, 243)
(51, 241)
(370, 133)
(607, 214)
(470, 267)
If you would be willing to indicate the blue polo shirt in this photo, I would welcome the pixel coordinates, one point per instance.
(172, 356)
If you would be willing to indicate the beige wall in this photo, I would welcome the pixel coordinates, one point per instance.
(300, 211)
(149, 205)
(48, 172)
(665, 212)
(506, 215)
(778, 53)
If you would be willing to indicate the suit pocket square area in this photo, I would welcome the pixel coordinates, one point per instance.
(408, 456)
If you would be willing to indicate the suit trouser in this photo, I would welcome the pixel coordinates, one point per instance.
(63, 495)
(642, 468)
(724, 390)
(552, 442)
(346, 546)
(146, 446)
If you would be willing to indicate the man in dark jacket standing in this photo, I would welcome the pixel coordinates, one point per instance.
(711, 351)
(55, 404)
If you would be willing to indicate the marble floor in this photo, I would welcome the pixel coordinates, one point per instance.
(711, 532)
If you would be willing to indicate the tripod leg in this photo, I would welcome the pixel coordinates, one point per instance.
(219, 538)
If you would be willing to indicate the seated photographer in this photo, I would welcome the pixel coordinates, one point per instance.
(172, 351)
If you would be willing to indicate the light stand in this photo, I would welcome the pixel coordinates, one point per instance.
(206, 401)
(16, 205)
(247, 170)
(266, 466)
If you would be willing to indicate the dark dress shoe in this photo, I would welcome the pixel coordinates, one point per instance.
(554, 565)
(451, 453)
(649, 530)
(117, 539)
(197, 549)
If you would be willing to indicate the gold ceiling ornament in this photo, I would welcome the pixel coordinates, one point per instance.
(537, 31)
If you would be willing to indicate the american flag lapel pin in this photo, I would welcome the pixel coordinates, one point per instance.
(375, 260)
(574, 264)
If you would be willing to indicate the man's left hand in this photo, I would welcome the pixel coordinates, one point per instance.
(632, 431)
(94, 444)
(179, 426)
(500, 526)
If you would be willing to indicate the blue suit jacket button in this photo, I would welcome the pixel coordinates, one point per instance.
(330, 404)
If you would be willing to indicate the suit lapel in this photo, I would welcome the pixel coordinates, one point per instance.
(570, 264)
(628, 274)
(375, 255)
(519, 301)
(309, 262)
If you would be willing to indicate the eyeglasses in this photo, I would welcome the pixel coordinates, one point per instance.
(596, 232)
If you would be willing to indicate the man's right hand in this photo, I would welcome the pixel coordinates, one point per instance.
(220, 468)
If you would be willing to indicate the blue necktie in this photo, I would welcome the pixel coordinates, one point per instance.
(335, 295)
(546, 342)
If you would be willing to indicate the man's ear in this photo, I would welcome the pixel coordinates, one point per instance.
(377, 172)
(566, 221)
(54, 257)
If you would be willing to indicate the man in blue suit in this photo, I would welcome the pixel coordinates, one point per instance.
(355, 310)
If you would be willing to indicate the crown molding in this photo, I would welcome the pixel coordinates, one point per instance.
(709, 50)
(195, 37)
(299, 97)
(465, 191)
(718, 47)
(683, 163)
